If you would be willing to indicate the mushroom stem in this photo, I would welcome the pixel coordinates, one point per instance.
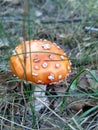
(40, 93)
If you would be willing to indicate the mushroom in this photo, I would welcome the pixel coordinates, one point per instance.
(41, 62)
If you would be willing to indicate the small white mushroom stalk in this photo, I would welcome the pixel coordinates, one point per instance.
(39, 93)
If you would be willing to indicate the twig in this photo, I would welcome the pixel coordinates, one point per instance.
(13, 18)
(90, 28)
(62, 21)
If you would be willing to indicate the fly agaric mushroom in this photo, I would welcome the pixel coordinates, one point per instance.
(41, 62)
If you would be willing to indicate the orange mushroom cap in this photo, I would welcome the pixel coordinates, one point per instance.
(40, 61)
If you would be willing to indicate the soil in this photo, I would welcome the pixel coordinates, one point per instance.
(44, 19)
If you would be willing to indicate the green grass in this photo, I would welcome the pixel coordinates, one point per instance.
(56, 25)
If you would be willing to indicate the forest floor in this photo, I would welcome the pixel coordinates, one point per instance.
(73, 103)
